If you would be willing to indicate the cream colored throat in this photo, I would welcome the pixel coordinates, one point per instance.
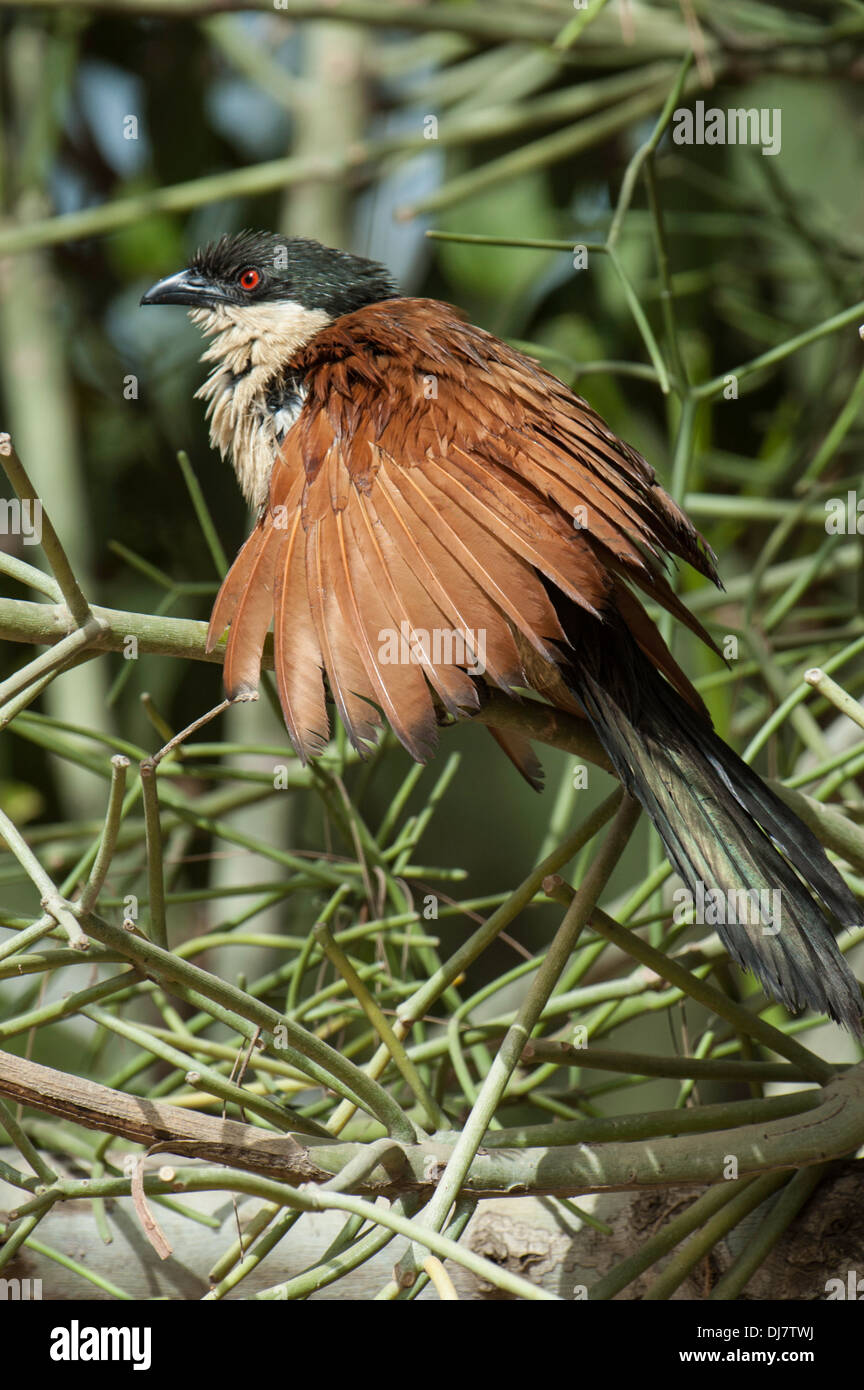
(252, 345)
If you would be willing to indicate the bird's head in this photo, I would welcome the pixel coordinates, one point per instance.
(264, 271)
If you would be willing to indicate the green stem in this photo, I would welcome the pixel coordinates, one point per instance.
(393, 1044)
(52, 901)
(155, 872)
(776, 1223)
(782, 351)
(316, 1058)
(739, 1017)
(110, 831)
(508, 1055)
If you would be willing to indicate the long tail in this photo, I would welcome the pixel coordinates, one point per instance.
(723, 828)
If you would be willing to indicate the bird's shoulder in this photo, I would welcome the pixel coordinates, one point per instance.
(411, 383)
(422, 360)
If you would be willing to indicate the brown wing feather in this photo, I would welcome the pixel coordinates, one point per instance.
(399, 686)
(508, 581)
(405, 508)
(526, 525)
(234, 586)
(349, 684)
(648, 636)
(296, 649)
(521, 754)
(251, 618)
(410, 607)
(459, 596)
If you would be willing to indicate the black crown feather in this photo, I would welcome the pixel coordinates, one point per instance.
(296, 268)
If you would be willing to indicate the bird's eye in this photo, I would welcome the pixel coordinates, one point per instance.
(249, 279)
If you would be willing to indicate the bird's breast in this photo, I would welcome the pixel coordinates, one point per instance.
(253, 396)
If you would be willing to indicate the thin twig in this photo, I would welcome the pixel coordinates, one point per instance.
(155, 871)
(394, 1046)
(50, 899)
(110, 830)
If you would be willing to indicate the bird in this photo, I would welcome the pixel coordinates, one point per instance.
(436, 516)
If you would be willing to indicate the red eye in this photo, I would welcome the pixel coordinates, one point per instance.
(249, 279)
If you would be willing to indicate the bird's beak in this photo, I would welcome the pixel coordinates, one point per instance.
(184, 288)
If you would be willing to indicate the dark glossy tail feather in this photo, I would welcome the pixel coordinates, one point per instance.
(722, 826)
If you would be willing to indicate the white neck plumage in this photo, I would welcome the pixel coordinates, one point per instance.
(253, 345)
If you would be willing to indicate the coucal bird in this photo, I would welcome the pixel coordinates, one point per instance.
(413, 474)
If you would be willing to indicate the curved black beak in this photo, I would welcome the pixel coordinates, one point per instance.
(184, 288)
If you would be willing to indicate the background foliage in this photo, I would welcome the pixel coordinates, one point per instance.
(370, 128)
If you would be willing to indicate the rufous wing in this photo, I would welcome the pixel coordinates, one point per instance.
(435, 492)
